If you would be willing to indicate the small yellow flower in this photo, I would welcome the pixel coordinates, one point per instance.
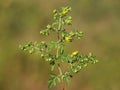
(74, 53)
(68, 39)
(64, 12)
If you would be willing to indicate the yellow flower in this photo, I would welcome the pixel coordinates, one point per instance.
(64, 12)
(74, 53)
(68, 39)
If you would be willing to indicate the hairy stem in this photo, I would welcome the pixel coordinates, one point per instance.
(62, 81)
(60, 70)
(59, 66)
(59, 26)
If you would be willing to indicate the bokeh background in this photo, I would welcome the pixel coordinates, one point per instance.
(21, 21)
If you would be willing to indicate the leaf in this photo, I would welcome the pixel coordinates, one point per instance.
(58, 79)
(69, 59)
(53, 75)
(52, 67)
(61, 48)
(51, 45)
(31, 51)
(67, 79)
(52, 83)
(54, 78)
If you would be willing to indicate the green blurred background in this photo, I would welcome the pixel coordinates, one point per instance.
(21, 21)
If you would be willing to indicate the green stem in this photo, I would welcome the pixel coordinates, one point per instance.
(60, 70)
(62, 81)
(58, 36)
(59, 67)
(59, 26)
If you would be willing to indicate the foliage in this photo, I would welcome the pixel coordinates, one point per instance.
(75, 61)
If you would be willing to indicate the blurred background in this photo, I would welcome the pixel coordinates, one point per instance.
(21, 21)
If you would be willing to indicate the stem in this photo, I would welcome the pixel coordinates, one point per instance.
(59, 27)
(58, 36)
(60, 70)
(59, 67)
(63, 86)
(62, 83)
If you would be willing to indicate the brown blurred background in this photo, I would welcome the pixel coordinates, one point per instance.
(21, 21)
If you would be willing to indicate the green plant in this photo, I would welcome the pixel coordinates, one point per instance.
(54, 52)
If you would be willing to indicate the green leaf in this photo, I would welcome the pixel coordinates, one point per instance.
(31, 51)
(61, 49)
(52, 83)
(53, 75)
(58, 79)
(49, 27)
(54, 79)
(67, 79)
(51, 45)
(52, 67)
